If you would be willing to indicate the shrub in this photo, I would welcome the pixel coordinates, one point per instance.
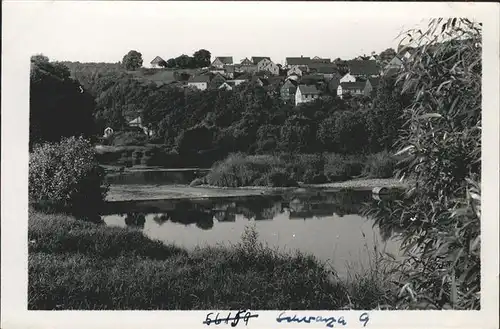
(65, 176)
(380, 165)
(342, 167)
(240, 170)
(126, 138)
(440, 220)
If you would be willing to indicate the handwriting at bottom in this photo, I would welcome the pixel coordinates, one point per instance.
(329, 321)
(240, 315)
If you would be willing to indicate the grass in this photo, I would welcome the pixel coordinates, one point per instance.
(86, 266)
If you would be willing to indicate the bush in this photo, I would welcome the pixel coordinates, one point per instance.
(66, 177)
(240, 170)
(342, 167)
(126, 138)
(380, 165)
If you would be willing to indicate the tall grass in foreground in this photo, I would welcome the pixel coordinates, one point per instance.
(122, 269)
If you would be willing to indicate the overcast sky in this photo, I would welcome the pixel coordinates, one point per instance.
(103, 31)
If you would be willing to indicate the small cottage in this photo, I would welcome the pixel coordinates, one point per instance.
(305, 94)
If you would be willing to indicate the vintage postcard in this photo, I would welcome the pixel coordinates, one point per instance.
(252, 164)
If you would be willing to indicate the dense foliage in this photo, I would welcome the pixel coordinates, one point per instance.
(75, 265)
(441, 142)
(66, 177)
(59, 106)
(132, 60)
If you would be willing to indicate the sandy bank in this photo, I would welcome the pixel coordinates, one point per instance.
(161, 192)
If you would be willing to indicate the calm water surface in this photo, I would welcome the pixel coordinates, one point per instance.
(327, 225)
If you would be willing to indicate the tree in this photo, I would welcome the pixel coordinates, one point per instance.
(132, 60)
(59, 106)
(183, 61)
(441, 145)
(201, 58)
(387, 55)
(171, 63)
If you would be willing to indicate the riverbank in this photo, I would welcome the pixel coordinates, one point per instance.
(161, 192)
(86, 266)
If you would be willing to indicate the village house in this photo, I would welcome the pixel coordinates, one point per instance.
(246, 61)
(325, 69)
(371, 86)
(305, 94)
(199, 81)
(268, 65)
(257, 59)
(216, 81)
(220, 62)
(363, 68)
(352, 88)
(137, 123)
(294, 70)
(155, 63)
(319, 60)
(288, 90)
(301, 62)
(348, 78)
(241, 78)
(229, 71)
(226, 85)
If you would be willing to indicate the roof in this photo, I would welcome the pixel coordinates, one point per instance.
(353, 85)
(256, 59)
(225, 59)
(230, 68)
(313, 77)
(245, 61)
(200, 78)
(243, 76)
(363, 67)
(293, 82)
(308, 89)
(157, 60)
(298, 60)
(137, 120)
(324, 68)
(321, 60)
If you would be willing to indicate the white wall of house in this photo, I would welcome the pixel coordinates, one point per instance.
(304, 98)
(348, 78)
(339, 91)
(267, 65)
(225, 86)
(199, 85)
(294, 70)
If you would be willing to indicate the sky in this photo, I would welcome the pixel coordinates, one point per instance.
(104, 31)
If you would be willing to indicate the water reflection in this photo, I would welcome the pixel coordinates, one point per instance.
(331, 226)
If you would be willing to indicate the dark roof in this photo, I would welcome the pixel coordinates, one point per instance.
(225, 60)
(324, 68)
(353, 85)
(363, 67)
(308, 89)
(243, 76)
(298, 60)
(157, 60)
(256, 60)
(315, 77)
(229, 68)
(293, 82)
(200, 78)
(321, 60)
(245, 60)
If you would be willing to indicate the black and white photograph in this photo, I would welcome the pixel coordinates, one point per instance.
(258, 157)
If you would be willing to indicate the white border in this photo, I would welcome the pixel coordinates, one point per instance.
(17, 24)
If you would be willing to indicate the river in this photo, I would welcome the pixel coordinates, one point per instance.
(328, 225)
